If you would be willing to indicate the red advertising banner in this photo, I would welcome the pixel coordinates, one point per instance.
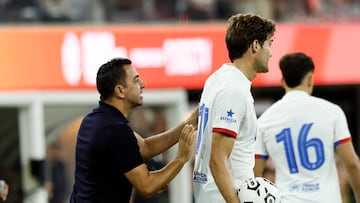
(166, 56)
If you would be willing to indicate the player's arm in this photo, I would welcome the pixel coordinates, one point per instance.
(351, 163)
(221, 148)
(159, 143)
(260, 158)
(147, 183)
(259, 166)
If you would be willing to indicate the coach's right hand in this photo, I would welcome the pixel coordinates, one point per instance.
(186, 143)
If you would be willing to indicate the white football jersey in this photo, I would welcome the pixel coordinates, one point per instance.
(227, 107)
(300, 133)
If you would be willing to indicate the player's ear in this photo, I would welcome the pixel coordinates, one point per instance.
(309, 80)
(310, 83)
(255, 46)
(283, 83)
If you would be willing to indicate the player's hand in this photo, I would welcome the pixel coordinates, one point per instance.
(186, 142)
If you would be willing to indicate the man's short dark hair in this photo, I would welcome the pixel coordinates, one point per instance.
(294, 67)
(243, 29)
(109, 75)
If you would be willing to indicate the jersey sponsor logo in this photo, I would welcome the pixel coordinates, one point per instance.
(228, 118)
(304, 187)
(200, 177)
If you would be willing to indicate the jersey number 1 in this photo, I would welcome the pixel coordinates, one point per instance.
(203, 119)
(303, 145)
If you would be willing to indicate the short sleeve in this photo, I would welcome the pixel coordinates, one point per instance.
(125, 149)
(260, 149)
(341, 129)
(229, 110)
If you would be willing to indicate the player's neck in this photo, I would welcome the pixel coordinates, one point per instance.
(245, 67)
(298, 88)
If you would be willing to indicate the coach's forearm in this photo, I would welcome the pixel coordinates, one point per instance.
(159, 143)
(159, 179)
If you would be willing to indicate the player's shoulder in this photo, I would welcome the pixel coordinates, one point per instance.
(324, 103)
(273, 108)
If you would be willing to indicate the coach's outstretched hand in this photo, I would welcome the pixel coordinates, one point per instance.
(186, 143)
(193, 118)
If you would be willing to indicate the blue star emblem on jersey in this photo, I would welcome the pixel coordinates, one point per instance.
(230, 113)
(229, 117)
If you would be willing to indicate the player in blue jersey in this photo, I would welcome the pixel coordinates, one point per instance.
(302, 133)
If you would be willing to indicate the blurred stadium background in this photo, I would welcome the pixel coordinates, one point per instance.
(50, 51)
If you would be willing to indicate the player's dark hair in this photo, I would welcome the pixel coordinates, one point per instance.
(109, 75)
(243, 29)
(295, 67)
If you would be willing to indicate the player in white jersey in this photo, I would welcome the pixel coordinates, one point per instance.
(301, 134)
(227, 120)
